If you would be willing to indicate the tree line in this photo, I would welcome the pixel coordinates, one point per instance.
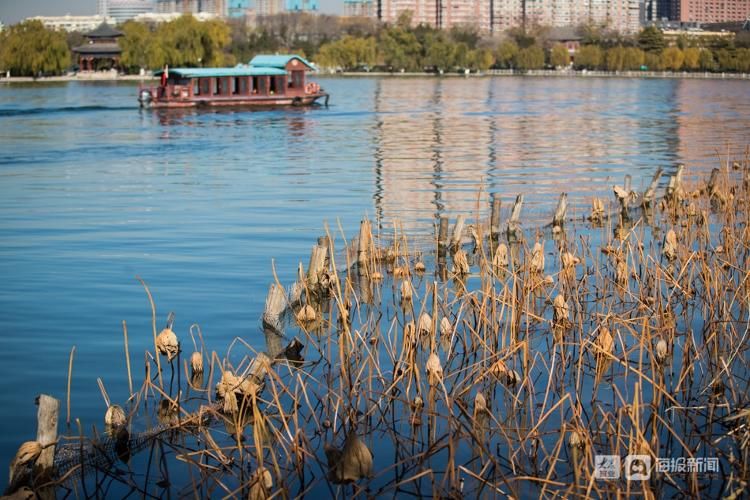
(348, 44)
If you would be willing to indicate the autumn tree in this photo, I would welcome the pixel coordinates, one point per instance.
(530, 58)
(30, 49)
(672, 58)
(559, 56)
(589, 57)
(506, 53)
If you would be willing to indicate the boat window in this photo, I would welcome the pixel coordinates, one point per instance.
(196, 86)
(218, 88)
(205, 86)
(281, 84)
(242, 86)
(298, 80)
(262, 85)
(237, 85)
(255, 84)
(273, 85)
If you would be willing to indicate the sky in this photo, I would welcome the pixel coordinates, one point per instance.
(12, 11)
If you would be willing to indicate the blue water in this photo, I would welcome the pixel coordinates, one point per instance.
(95, 192)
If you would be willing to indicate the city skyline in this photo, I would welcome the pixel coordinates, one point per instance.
(12, 12)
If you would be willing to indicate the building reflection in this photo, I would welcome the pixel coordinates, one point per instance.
(437, 147)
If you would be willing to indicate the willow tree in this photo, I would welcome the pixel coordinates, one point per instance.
(559, 55)
(189, 42)
(140, 47)
(30, 49)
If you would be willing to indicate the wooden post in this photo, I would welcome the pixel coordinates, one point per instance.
(674, 189)
(46, 435)
(562, 206)
(275, 305)
(458, 231)
(318, 258)
(495, 218)
(514, 224)
(325, 241)
(713, 181)
(46, 432)
(442, 246)
(364, 252)
(648, 196)
(443, 232)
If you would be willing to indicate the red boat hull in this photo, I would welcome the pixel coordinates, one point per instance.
(263, 101)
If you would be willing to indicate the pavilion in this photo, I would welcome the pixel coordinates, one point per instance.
(101, 50)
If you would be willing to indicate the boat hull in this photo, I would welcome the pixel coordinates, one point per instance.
(265, 101)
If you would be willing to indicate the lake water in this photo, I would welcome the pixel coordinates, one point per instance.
(94, 192)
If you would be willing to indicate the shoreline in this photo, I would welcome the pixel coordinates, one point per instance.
(109, 77)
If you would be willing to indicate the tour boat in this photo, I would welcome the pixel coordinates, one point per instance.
(269, 80)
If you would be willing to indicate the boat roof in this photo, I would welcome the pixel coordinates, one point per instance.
(278, 60)
(211, 72)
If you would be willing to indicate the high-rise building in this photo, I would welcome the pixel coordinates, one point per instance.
(499, 15)
(238, 8)
(713, 11)
(216, 7)
(302, 5)
(124, 10)
(269, 7)
(359, 8)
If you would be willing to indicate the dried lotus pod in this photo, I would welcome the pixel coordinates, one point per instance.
(670, 245)
(167, 344)
(262, 483)
(196, 362)
(536, 265)
(500, 260)
(446, 329)
(306, 314)
(460, 263)
(425, 324)
(434, 369)
(115, 416)
(661, 351)
(351, 463)
(406, 291)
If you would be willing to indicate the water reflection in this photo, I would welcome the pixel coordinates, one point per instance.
(440, 140)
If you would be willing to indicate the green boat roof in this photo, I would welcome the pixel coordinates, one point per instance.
(278, 60)
(215, 72)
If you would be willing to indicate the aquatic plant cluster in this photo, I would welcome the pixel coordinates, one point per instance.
(498, 362)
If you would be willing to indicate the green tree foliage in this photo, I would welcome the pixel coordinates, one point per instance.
(651, 39)
(140, 47)
(653, 62)
(348, 53)
(530, 58)
(615, 59)
(440, 52)
(706, 61)
(589, 57)
(30, 49)
(481, 59)
(672, 59)
(559, 56)
(506, 52)
(400, 49)
(692, 58)
(633, 58)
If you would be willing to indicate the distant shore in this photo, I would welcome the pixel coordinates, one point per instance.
(110, 77)
(562, 74)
